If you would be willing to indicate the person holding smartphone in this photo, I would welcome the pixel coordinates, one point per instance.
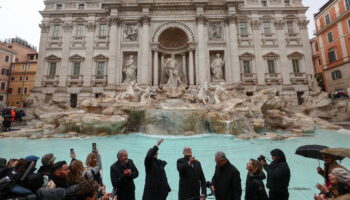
(94, 166)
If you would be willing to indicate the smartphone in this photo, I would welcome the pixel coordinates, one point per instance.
(71, 151)
(94, 147)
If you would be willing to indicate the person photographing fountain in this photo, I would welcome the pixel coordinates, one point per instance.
(156, 183)
(192, 178)
(278, 175)
(123, 173)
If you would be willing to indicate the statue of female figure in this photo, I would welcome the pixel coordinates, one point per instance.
(172, 72)
(130, 70)
(216, 68)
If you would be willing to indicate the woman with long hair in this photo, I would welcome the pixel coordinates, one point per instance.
(255, 188)
(76, 169)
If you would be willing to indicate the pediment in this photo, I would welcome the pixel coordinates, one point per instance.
(296, 55)
(53, 58)
(247, 55)
(271, 55)
(76, 57)
(100, 57)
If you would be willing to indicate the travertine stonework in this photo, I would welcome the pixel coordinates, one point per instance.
(85, 46)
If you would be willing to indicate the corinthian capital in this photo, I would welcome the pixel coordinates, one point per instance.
(230, 19)
(45, 27)
(91, 26)
(303, 23)
(114, 20)
(145, 19)
(201, 18)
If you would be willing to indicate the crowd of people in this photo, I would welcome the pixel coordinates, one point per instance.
(10, 115)
(76, 181)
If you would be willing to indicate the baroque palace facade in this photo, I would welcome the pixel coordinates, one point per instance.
(92, 47)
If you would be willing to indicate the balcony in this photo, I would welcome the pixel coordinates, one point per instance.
(273, 78)
(75, 80)
(249, 78)
(50, 80)
(55, 42)
(99, 80)
(296, 78)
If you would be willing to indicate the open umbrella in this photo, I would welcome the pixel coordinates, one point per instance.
(337, 152)
(311, 151)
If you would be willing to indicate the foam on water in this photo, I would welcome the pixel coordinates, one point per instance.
(304, 176)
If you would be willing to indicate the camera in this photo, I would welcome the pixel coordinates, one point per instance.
(262, 158)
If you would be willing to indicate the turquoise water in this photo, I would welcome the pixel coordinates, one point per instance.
(304, 175)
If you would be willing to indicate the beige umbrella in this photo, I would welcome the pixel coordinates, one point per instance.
(341, 152)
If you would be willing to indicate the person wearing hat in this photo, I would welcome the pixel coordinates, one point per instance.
(339, 179)
(59, 174)
(278, 175)
(33, 181)
(47, 160)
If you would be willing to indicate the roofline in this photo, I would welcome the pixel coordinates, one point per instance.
(323, 8)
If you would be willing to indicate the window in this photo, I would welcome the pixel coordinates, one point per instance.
(14, 66)
(52, 69)
(332, 56)
(246, 67)
(3, 85)
(243, 29)
(336, 75)
(103, 6)
(286, 2)
(20, 78)
(264, 2)
(9, 91)
(4, 72)
(80, 30)
(27, 78)
(347, 2)
(56, 30)
(290, 28)
(100, 69)
(58, 6)
(81, 6)
(7, 58)
(76, 68)
(25, 90)
(330, 37)
(28, 67)
(266, 26)
(23, 66)
(19, 90)
(271, 66)
(17, 102)
(328, 19)
(103, 30)
(12, 78)
(1, 98)
(296, 65)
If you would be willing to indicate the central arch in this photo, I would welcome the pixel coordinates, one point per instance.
(173, 38)
(173, 25)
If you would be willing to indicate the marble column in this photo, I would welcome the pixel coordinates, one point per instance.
(45, 28)
(184, 71)
(89, 69)
(144, 70)
(63, 70)
(191, 68)
(201, 69)
(155, 68)
(283, 64)
(235, 66)
(112, 65)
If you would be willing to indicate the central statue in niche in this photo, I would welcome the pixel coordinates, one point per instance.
(172, 72)
(217, 68)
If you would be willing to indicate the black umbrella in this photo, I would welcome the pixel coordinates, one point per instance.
(311, 151)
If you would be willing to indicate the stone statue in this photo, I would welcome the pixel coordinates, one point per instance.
(130, 33)
(217, 68)
(203, 94)
(219, 93)
(314, 89)
(172, 71)
(130, 94)
(130, 70)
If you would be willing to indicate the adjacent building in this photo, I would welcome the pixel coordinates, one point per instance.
(15, 53)
(88, 48)
(7, 56)
(331, 46)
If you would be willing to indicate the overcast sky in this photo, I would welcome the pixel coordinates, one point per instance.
(21, 18)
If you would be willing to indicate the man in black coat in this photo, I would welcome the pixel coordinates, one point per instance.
(59, 175)
(123, 173)
(278, 175)
(226, 180)
(156, 184)
(191, 177)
